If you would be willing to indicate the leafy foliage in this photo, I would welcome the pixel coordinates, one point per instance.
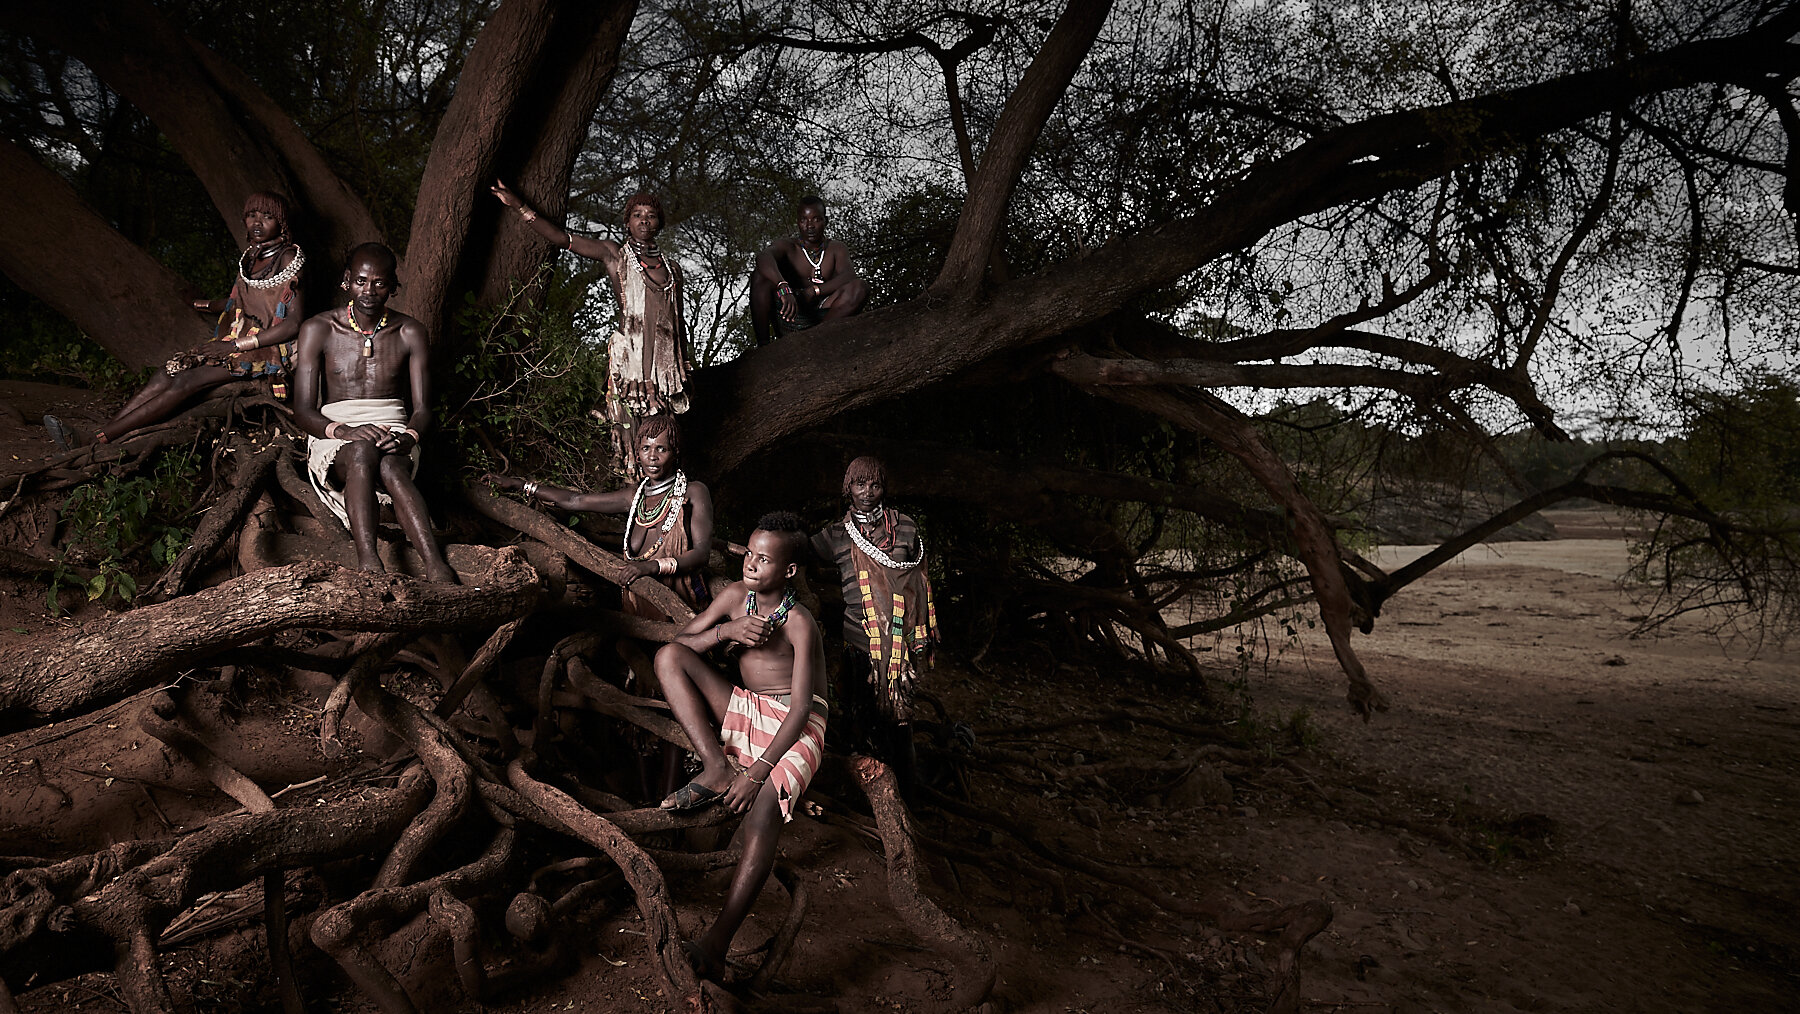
(119, 522)
(520, 398)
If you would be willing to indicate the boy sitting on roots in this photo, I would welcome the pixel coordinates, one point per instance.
(772, 728)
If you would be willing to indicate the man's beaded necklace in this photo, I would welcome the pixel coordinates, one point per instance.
(779, 616)
(276, 280)
(818, 266)
(852, 526)
(669, 511)
(368, 348)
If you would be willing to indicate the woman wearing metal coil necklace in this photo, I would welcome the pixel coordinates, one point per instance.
(648, 361)
(253, 336)
(668, 533)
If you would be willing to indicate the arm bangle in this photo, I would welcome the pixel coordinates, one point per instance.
(666, 565)
(527, 214)
(568, 241)
(412, 433)
(530, 490)
(331, 430)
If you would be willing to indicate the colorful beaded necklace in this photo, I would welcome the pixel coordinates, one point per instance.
(779, 616)
(368, 348)
(669, 511)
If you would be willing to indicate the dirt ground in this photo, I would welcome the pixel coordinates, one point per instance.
(1554, 816)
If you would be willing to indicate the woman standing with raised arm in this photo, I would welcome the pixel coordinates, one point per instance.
(647, 357)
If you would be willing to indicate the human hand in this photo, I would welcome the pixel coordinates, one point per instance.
(789, 307)
(395, 441)
(644, 568)
(742, 792)
(749, 631)
(506, 196)
(506, 482)
(202, 305)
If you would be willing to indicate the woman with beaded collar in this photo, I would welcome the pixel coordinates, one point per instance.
(254, 334)
(648, 361)
(890, 620)
(669, 523)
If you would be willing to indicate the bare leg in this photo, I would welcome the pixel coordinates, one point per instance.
(415, 520)
(762, 306)
(762, 826)
(355, 469)
(847, 300)
(699, 697)
(158, 401)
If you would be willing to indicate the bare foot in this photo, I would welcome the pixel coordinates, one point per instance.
(444, 574)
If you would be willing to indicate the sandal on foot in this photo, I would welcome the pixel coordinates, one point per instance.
(692, 796)
(59, 434)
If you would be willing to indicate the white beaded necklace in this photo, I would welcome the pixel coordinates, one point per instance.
(277, 279)
(818, 266)
(877, 555)
(674, 514)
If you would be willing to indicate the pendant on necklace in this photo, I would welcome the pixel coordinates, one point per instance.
(368, 349)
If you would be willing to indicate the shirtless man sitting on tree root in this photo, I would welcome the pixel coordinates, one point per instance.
(778, 713)
(355, 370)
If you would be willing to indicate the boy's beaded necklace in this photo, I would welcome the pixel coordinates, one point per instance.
(669, 511)
(779, 616)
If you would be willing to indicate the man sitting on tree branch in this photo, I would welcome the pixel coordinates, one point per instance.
(355, 371)
(773, 727)
(806, 279)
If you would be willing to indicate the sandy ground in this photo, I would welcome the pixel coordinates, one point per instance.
(1663, 768)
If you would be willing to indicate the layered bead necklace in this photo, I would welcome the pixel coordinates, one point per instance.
(779, 616)
(646, 252)
(368, 348)
(667, 511)
(853, 526)
(276, 280)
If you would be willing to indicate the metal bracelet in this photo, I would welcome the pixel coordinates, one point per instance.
(530, 489)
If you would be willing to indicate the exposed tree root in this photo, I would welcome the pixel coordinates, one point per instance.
(61, 672)
(226, 516)
(975, 969)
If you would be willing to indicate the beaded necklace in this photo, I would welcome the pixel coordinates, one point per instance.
(649, 249)
(276, 280)
(368, 348)
(872, 552)
(779, 616)
(650, 516)
(670, 511)
(818, 266)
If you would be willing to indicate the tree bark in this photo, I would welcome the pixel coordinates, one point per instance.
(112, 657)
(530, 55)
(54, 247)
(978, 230)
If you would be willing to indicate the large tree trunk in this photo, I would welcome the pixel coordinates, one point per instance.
(54, 247)
(539, 65)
